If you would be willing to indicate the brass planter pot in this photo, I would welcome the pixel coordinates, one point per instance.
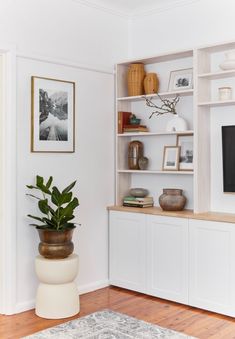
(55, 244)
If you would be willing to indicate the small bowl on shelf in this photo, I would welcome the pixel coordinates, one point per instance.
(135, 121)
(139, 192)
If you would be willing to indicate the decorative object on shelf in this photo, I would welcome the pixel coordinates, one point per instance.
(185, 141)
(139, 192)
(134, 120)
(143, 163)
(171, 158)
(172, 199)
(135, 128)
(225, 93)
(55, 228)
(180, 80)
(135, 152)
(131, 201)
(53, 115)
(123, 119)
(135, 79)
(168, 106)
(151, 83)
(229, 62)
(177, 124)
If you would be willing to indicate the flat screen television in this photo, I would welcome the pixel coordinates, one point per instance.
(228, 153)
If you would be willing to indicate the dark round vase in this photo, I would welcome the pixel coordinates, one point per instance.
(55, 244)
(172, 199)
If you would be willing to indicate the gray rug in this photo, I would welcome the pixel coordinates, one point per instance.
(107, 325)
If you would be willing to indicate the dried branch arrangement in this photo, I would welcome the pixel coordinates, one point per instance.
(168, 106)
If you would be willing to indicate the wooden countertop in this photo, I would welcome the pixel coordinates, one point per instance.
(189, 214)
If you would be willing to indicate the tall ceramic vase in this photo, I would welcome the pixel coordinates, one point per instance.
(176, 124)
(135, 79)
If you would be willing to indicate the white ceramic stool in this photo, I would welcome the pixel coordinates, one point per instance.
(57, 294)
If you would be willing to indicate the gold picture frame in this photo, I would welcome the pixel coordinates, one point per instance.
(52, 115)
(171, 158)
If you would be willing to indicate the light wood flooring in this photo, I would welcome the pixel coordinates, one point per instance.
(189, 320)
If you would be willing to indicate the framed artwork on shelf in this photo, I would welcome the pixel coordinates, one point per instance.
(52, 115)
(185, 142)
(181, 79)
(171, 158)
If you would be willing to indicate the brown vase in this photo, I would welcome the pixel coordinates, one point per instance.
(151, 83)
(135, 152)
(55, 244)
(135, 79)
(172, 199)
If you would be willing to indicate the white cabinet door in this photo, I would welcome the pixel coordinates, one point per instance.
(127, 250)
(212, 266)
(167, 258)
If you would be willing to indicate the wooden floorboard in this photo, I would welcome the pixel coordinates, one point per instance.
(189, 320)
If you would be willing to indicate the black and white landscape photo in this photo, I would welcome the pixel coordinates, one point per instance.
(53, 112)
(186, 152)
(53, 119)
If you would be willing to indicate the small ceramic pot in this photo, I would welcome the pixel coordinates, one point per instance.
(143, 163)
(172, 199)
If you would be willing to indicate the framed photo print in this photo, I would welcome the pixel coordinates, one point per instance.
(181, 79)
(185, 142)
(171, 158)
(53, 115)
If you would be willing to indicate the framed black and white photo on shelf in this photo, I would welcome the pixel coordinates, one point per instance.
(181, 79)
(52, 115)
(171, 158)
(185, 142)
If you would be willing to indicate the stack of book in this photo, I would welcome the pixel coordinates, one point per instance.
(137, 202)
(135, 128)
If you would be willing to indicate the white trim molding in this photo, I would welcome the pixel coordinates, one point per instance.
(8, 183)
(82, 289)
(125, 12)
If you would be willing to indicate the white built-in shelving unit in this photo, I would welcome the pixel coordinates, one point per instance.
(202, 110)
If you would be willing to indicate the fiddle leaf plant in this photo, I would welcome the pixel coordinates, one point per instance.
(57, 207)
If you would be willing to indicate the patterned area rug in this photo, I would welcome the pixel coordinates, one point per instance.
(107, 325)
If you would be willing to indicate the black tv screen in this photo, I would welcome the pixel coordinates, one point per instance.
(228, 149)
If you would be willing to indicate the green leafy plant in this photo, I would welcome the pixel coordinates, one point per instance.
(57, 207)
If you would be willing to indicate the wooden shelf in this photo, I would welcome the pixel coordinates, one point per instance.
(216, 103)
(189, 132)
(217, 75)
(154, 96)
(156, 172)
(208, 216)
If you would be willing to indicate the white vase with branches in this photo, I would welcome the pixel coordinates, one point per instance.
(168, 106)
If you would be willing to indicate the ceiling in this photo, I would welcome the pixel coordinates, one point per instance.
(132, 7)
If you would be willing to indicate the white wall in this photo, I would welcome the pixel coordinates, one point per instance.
(53, 33)
(202, 22)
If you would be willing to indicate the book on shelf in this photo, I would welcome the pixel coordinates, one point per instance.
(135, 129)
(137, 205)
(137, 199)
(123, 119)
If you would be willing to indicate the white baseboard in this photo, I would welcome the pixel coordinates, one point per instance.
(82, 289)
(25, 306)
(29, 305)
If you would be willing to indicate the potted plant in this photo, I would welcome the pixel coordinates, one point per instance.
(57, 212)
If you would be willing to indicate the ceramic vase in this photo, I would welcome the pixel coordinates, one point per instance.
(135, 79)
(176, 124)
(172, 199)
(151, 83)
(229, 62)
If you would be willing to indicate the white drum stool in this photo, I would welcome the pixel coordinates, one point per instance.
(57, 294)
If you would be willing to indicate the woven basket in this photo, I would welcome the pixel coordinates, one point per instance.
(135, 78)
(151, 83)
